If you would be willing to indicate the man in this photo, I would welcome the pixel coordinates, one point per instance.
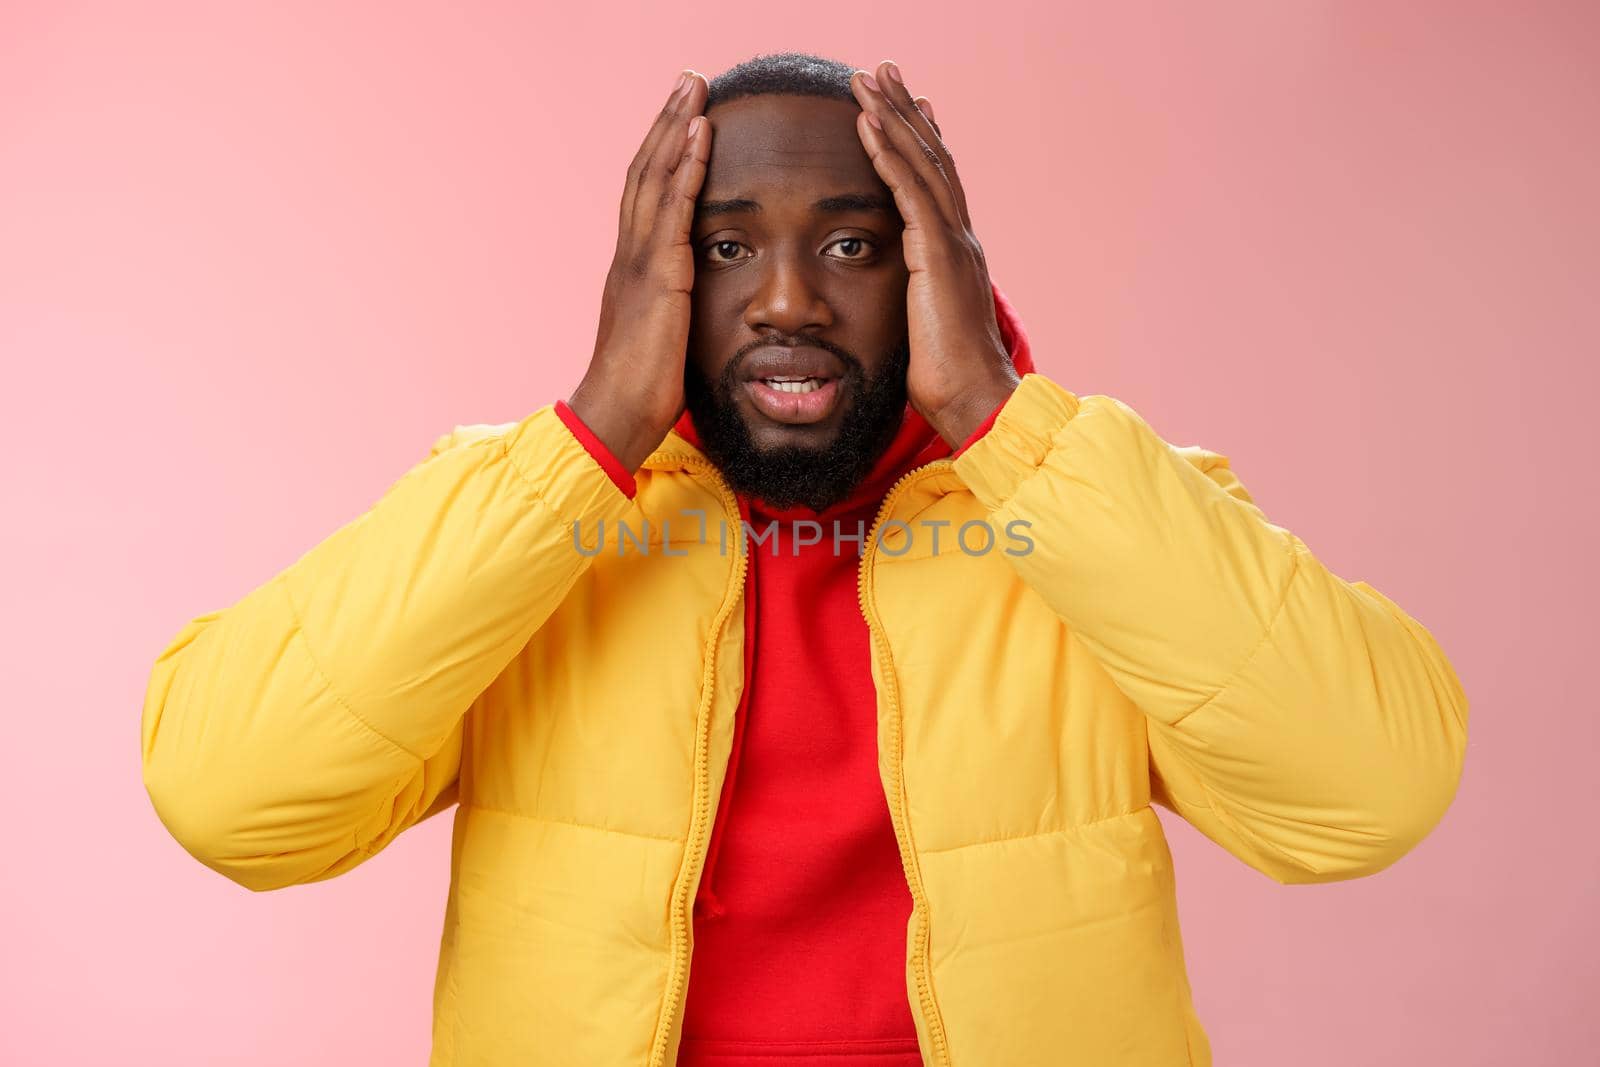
(818, 641)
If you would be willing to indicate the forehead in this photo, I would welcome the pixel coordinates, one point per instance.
(797, 144)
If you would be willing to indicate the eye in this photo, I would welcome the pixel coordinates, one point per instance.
(853, 248)
(723, 251)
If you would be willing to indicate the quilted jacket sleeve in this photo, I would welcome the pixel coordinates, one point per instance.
(1304, 722)
(293, 734)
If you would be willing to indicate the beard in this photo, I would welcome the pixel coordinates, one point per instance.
(787, 475)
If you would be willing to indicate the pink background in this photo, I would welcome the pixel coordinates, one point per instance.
(254, 258)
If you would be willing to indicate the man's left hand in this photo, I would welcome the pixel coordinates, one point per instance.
(960, 369)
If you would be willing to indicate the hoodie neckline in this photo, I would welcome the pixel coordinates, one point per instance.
(915, 443)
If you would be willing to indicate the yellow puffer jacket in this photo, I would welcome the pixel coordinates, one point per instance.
(471, 640)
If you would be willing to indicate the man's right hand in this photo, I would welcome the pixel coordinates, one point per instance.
(632, 392)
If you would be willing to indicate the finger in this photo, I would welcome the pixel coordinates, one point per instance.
(661, 150)
(688, 176)
(672, 112)
(913, 194)
(892, 83)
(655, 177)
(647, 145)
(925, 165)
(925, 106)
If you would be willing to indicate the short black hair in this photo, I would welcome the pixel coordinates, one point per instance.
(785, 73)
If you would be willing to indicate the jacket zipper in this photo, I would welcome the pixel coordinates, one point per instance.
(695, 856)
(921, 963)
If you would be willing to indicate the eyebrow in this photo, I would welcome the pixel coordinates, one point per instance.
(828, 205)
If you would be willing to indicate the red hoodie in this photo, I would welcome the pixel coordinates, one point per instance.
(800, 920)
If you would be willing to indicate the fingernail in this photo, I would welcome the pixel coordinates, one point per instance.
(894, 73)
(872, 120)
(683, 80)
(927, 109)
(868, 81)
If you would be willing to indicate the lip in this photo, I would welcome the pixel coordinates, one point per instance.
(803, 361)
(796, 409)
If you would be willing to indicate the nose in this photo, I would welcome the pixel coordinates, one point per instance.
(787, 297)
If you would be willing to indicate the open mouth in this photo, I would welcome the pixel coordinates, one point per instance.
(793, 385)
(795, 401)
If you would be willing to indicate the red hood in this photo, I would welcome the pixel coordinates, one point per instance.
(916, 442)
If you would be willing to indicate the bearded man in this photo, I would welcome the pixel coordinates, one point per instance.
(803, 682)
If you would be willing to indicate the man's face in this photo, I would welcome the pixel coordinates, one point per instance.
(797, 347)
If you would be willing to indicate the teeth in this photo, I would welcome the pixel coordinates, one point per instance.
(793, 385)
